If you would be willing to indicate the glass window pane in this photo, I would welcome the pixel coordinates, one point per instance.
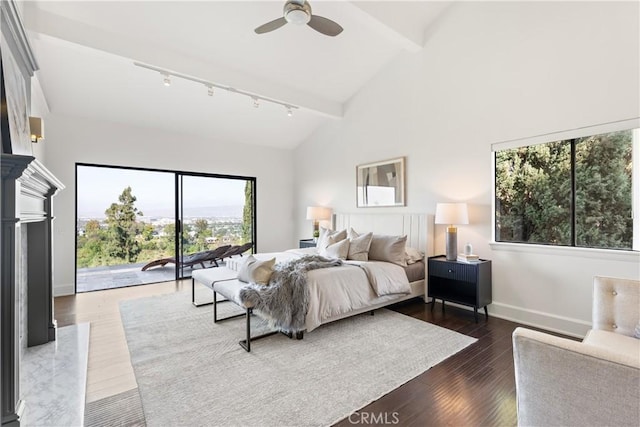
(533, 194)
(603, 191)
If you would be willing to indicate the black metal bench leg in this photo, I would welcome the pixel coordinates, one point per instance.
(193, 295)
(246, 343)
(486, 313)
(215, 307)
(248, 329)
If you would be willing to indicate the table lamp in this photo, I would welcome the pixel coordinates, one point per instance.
(452, 214)
(317, 213)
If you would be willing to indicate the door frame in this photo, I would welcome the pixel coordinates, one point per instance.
(177, 204)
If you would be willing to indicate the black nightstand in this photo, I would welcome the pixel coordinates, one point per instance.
(307, 243)
(460, 282)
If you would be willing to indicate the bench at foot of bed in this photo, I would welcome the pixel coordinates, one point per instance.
(224, 283)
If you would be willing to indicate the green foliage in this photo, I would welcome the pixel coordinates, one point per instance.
(603, 191)
(534, 187)
(201, 232)
(247, 213)
(123, 228)
(90, 253)
(123, 239)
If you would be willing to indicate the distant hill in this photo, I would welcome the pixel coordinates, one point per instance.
(189, 212)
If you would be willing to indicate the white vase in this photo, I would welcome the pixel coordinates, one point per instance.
(468, 249)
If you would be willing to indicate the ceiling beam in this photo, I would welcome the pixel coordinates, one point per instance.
(56, 26)
(387, 18)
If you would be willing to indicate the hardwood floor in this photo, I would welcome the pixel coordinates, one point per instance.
(473, 388)
(109, 370)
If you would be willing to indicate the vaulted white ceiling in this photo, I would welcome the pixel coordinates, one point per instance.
(86, 52)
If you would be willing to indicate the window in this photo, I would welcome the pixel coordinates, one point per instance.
(147, 225)
(570, 192)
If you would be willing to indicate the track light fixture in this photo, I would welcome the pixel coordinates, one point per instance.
(166, 80)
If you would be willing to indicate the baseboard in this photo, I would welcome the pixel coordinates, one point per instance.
(550, 322)
(537, 319)
(62, 290)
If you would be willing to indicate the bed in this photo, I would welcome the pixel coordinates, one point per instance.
(339, 292)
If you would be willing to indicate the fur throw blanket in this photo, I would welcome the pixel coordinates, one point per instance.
(285, 301)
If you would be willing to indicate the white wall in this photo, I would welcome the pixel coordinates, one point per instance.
(70, 140)
(38, 108)
(489, 72)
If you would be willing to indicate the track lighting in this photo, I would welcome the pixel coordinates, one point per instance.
(166, 80)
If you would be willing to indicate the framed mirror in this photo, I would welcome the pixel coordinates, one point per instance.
(380, 183)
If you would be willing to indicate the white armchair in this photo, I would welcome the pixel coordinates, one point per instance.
(596, 382)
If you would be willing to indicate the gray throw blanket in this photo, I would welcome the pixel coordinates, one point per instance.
(285, 301)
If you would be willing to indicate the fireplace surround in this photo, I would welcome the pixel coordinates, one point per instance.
(26, 297)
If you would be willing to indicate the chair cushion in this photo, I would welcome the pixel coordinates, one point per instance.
(209, 276)
(230, 289)
(611, 341)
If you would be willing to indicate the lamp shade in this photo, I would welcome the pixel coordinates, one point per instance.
(452, 213)
(318, 212)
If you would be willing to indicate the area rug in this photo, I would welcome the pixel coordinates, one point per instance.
(192, 372)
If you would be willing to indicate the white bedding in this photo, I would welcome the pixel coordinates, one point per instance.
(335, 291)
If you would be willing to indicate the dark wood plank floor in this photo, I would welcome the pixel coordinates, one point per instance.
(473, 388)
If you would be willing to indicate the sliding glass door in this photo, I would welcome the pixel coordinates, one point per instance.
(140, 226)
(215, 213)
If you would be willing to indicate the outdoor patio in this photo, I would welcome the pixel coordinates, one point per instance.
(119, 276)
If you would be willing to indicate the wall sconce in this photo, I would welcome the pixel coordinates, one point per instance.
(452, 214)
(317, 213)
(36, 129)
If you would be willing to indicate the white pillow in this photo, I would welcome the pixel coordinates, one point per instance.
(359, 246)
(413, 255)
(325, 234)
(389, 249)
(254, 271)
(338, 249)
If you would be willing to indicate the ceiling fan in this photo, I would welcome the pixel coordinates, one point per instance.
(299, 12)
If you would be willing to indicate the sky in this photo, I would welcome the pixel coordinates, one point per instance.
(98, 187)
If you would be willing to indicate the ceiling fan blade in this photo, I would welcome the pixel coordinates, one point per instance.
(324, 26)
(270, 26)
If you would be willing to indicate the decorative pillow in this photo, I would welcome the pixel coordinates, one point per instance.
(389, 249)
(254, 271)
(325, 234)
(352, 234)
(335, 249)
(359, 246)
(413, 255)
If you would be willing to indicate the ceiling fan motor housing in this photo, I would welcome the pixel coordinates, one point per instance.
(296, 13)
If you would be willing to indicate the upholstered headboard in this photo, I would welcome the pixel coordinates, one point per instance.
(417, 227)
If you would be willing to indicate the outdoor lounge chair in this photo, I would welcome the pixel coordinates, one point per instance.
(192, 259)
(235, 250)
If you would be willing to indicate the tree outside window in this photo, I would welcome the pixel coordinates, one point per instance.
(575, 192)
